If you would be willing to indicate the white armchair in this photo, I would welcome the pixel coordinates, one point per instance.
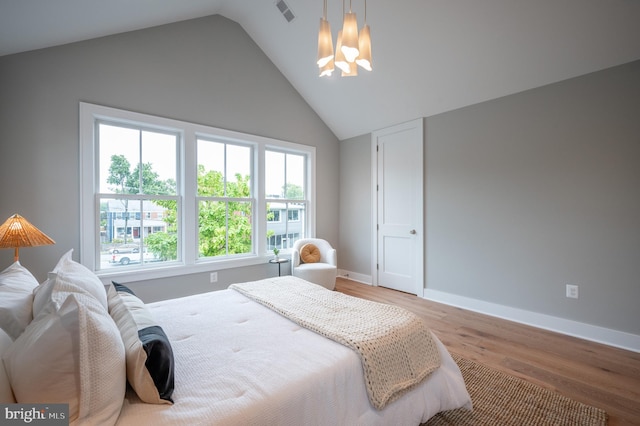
(322, 272)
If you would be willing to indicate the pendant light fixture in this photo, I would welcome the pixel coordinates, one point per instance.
(325, 43)
(340, 60)
(350, 35)
(364, 44)
(351, 49)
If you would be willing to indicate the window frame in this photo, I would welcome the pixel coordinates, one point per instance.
(187, 191)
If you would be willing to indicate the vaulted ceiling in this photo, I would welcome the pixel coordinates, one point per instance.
(429, 56)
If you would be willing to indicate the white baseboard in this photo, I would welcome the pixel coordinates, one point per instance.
(354, 276)
(593, 333)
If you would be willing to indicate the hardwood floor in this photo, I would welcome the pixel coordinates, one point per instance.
(594, 374)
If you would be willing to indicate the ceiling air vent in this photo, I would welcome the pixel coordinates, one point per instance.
(284, 9)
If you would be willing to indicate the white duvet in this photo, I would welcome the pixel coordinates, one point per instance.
(239, 363)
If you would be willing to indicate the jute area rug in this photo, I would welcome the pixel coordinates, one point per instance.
(500, 400)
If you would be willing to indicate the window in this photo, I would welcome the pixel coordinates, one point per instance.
(225, 204)
(286, 197)
(136, 176)
(159, 196)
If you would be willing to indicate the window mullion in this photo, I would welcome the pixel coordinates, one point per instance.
(188, 162)
(259, 194)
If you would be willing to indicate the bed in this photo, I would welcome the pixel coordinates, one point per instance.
(235, 362)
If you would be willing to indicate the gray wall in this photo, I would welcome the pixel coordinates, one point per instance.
(206, 71)
(528, 193)
(354, 252)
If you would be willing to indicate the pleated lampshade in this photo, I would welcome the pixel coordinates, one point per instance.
(17, 232)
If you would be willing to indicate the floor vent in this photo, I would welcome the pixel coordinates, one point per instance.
(286, 12)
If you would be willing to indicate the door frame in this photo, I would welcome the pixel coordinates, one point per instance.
(418, 126)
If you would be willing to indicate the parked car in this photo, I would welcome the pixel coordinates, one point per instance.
(127, 258)
(125, 248)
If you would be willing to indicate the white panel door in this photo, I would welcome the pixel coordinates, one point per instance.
(398, 163)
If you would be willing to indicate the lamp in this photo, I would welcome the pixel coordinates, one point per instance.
(325, 44)
(351, 49)
(341, 61)
(350, 35)
(17, 232)
(364, 43)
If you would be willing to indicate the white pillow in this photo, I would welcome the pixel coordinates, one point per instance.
(150, 362)
(50, 295)
(6, 395)
(80, 275)
(16, 298)
(75, 356)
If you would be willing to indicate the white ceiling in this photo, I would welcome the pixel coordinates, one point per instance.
(429, 56)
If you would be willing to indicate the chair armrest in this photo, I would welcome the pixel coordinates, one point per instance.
(295, 258)
(332, 257)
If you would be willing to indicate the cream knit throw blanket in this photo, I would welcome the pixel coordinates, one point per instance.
(395, 346)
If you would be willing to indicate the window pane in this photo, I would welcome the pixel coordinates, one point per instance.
(124, 152)
(240, 227)
(238, 171)
(296, 214)
(295, 177)
(134, 231)
(289, 225)
(224, 228)
(159, 163)
(161, 231)
(119, 152)
(274, 174)
(210, 168)
(285, 175)
(285, 179)
(224, 170)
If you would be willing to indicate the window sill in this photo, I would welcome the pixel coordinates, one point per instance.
(178, 269)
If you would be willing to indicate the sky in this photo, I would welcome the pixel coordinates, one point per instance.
(160, 149)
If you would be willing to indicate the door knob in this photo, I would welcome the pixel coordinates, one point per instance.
(413, 232)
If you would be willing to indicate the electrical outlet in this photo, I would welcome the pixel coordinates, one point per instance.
(213, 277)
(572, 291)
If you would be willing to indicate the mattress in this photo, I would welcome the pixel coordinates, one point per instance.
(239, 363)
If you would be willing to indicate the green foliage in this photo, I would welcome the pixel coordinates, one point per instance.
(293, 192)
(129, 181)
(216, 217)
(225, 226)
(119, 172)
(148, 183)
(163, 245)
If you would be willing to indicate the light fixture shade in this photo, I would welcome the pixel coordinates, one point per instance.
(17, 232)
(350, 37)
(353, 71)
(364, 59)
(327, 70)
(325, 43)
(340, 60)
